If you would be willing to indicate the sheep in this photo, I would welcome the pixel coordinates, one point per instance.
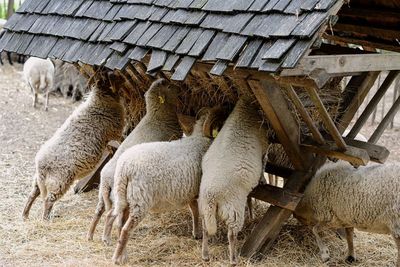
(39, 74)
(232, 167)
(159, 124)
(76, 147)
(340, 196)
(158, 177)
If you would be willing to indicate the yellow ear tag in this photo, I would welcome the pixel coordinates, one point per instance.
(215, 133)
(162, 99)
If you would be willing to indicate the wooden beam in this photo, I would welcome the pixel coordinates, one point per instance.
(274, 105)
(277, 196)
(337, 64)
(353, 96)
(361, 30)
(354, 155)
(304, 114)
(266, 231)
(373, 103)
(326, 118)
(376, 153)
(385, 122)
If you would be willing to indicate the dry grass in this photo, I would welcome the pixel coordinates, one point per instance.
(160, 240)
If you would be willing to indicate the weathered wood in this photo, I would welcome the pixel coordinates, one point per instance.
(387, 34)
(279, 171)
(356, 156)
(266, 231)
(373, 103)
(336, 64)
(304, 114)
(326, 118)
(273, 102)
(385, 122)
(353, 96)
(276, 196)
(376, 153)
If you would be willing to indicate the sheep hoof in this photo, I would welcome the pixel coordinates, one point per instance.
(197, 236)
(350, 259)
(121, 260)
(206, 258)
(107, 241)
(89, 237)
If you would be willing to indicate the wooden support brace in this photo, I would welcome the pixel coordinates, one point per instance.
(376, 153)
(272, 102)
(277, 196)
(327, 119)
(353, 96)
(373, 103)
(385, 122)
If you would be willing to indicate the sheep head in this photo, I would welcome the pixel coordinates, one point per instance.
(162, 93)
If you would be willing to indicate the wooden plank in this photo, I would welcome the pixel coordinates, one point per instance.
(385, 122)
(183, 69)
(276, 196)
(219, 67)
(353, 96)
(274, 105)
(383, 33)
(378, 154)
(157, 60)
(337, 64)
(326, 118)
(278, 49)
(279, 171)
(356, 156)
(373, 104)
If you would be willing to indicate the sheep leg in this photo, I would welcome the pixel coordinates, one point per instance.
(205, 255)
(194, 209)
(122, 218)
(48, 205)
(32, 197)
(350, 245)
(46, 106)
(250, 207)
(96, 218)
(9, 58)
(108, 227)
(120, 256)
(323, 249)
(232, 238)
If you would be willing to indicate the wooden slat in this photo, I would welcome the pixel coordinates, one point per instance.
(304, 114)
(326, 118)
(274, 105)
(356, 156)
(337, 64)
(279, 171)
(277, 196)
(353, 96)
(376, 153)
(385, 122)
(372, 104)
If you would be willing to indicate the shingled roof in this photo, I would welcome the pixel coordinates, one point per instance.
(266, 35)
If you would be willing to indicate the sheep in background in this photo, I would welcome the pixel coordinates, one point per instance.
(77, 146)
(159, 177)
(39, 74)
(232, 167)
(340, 196)
(159, 124)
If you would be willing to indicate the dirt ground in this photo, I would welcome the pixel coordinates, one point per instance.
(160, 240)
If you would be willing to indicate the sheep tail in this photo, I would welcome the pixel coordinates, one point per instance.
(209, 210)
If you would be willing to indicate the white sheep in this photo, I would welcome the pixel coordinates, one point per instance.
(340, 196)
(159, 124)
(158, 177)
(232, 167)
(76, 147)
(39, 74)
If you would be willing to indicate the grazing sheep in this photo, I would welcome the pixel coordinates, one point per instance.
(76, 147)
(232, 167)
(158, 177)
(340, 196)
(39, 74)
(159, 124)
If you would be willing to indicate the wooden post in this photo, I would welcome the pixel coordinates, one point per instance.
(373, 103)
(395, 95)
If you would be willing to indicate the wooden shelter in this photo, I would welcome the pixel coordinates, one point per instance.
(273, 48)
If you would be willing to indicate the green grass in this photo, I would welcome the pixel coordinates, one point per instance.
(3, 7)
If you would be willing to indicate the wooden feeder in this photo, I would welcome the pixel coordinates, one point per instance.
(276, 49)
